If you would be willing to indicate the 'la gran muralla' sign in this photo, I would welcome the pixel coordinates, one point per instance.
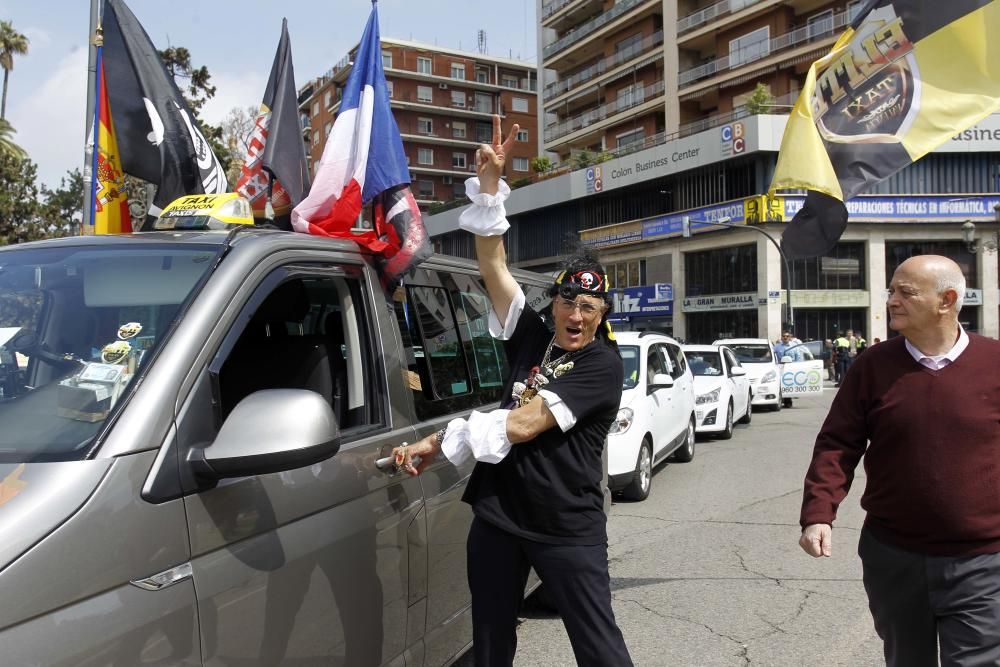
(745, 301)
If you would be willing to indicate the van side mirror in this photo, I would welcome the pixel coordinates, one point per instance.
(270, 431)
(661, 381)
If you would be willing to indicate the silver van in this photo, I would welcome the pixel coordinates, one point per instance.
(189, 425)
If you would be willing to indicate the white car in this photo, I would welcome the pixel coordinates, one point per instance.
(763, 370)
(656, 418)
(722, 391)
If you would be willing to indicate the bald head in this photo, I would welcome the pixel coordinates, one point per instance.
(937, 273)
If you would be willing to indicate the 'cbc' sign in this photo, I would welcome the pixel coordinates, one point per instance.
(733, 139)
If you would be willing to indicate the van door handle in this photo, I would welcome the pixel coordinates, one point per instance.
(388, 464)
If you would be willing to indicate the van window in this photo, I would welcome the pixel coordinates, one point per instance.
(454, 364)
(306, 332)
(78, 325)
(676, 359)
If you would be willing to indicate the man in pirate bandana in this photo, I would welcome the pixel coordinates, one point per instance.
(536, 488)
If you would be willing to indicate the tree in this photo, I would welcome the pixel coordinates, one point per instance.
(12, 43)
(19, 205)
(62, 208)
(760, 100)
(7, 145)
(541, 164)
(236, 130)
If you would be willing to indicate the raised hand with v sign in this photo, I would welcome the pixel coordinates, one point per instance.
(490, 159)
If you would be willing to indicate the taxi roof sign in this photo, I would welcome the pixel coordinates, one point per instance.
(208, 211)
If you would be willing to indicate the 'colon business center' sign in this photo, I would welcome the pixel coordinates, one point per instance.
(694, 304)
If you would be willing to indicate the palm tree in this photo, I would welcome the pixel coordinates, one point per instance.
(12, 43)
(7, 145)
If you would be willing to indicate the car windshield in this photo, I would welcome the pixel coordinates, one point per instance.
(630, 358)
(752, 354)
(77, 325)
(704, 363)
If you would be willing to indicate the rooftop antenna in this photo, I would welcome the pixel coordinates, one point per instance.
(481, 36)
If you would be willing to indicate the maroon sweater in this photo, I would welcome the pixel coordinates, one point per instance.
(933, 449)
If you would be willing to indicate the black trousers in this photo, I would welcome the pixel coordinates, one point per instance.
(576, 580)
(923, 603)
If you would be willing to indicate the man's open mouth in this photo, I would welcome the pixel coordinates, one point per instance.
(574, 331)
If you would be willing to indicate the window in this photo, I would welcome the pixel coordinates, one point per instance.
(425, 94)
(458, 99)
(315, 108)
(522, 135)
(630, 96)
(423, 65)
(455, 363)
(315, 138)
(521, 164)
(386, 60)
(458, 129)
(458, 160)
(721, 271)
(853, 9)
(327, 129)
(425, 188)
(425, 126)
(627, 274)
(819, 25)
(482, 76)
(519, 104)
(509, 81)
(425, 156)
(458, 71)
(306, 332)
(656, 362)
(633, 138)
(484, 104)
(750, 47)
(843, 267)
(388, 84)
(328, 99)
(484, 133)
(458, 189)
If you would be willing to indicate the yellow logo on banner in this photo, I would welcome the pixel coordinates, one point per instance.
(760, 209)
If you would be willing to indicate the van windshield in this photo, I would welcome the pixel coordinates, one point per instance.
(77, 326)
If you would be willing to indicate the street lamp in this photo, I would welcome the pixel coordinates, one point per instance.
(726, 221)
(989, 244)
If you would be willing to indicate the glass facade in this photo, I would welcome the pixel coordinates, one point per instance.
(842, 268)
(721, 271)
(704, 328)
(823, 323)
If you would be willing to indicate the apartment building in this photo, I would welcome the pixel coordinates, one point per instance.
(644, 108)
(443, 101)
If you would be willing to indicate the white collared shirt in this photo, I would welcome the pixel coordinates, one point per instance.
(938, 362)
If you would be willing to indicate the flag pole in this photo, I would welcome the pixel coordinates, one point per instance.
(88, 139)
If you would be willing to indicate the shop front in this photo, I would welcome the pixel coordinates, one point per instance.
(709, 318)
(644, 308)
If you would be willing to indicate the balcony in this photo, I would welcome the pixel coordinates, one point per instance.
(760, 50)
(703, 16)
(600, 67)
(550, 8)
(626, 102)
(588, 28)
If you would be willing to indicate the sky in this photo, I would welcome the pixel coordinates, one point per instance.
(46, 94)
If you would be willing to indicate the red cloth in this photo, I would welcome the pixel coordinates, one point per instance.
(933, 458)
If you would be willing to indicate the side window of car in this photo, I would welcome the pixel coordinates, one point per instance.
(453, 362)
(676, 357)
(656, 362)
(306, 328)
(731, 360)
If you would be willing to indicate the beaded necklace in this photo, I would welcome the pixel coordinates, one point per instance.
(538, 376)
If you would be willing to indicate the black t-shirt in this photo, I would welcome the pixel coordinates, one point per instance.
(549, 489)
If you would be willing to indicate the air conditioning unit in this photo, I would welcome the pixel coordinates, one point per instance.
(443, 86)
(446, 180)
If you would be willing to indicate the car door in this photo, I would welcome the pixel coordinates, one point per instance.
(683, 396)
(659, 404)
(739, 383)
(319, 564)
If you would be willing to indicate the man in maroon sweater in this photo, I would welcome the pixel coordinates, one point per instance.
(924, 410)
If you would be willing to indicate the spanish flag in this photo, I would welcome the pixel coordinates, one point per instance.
(109, 201)
(903, 79)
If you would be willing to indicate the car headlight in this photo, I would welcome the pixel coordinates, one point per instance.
(770, 376)
(710, 397)
(622, 421)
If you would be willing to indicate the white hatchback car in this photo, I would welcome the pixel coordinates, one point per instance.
(722, 391)
(763, 370)
(656, 418)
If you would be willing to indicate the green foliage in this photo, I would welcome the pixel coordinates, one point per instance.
(62, 208)
(520, 183)
(541, 164)
(7, 145)
(760, 100)
(19, 205)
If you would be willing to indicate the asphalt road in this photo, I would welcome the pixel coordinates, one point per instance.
(708, 571)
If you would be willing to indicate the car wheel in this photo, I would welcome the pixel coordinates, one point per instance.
(748, 417)
(728, 432)
(685, 452)
(642, 479)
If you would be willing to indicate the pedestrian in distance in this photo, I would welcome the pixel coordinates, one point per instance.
(923, 410)
(536, 491)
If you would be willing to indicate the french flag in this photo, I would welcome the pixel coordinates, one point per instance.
(364, 160)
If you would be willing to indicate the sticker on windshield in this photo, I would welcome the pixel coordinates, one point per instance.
(114, 353)
(130, 330)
